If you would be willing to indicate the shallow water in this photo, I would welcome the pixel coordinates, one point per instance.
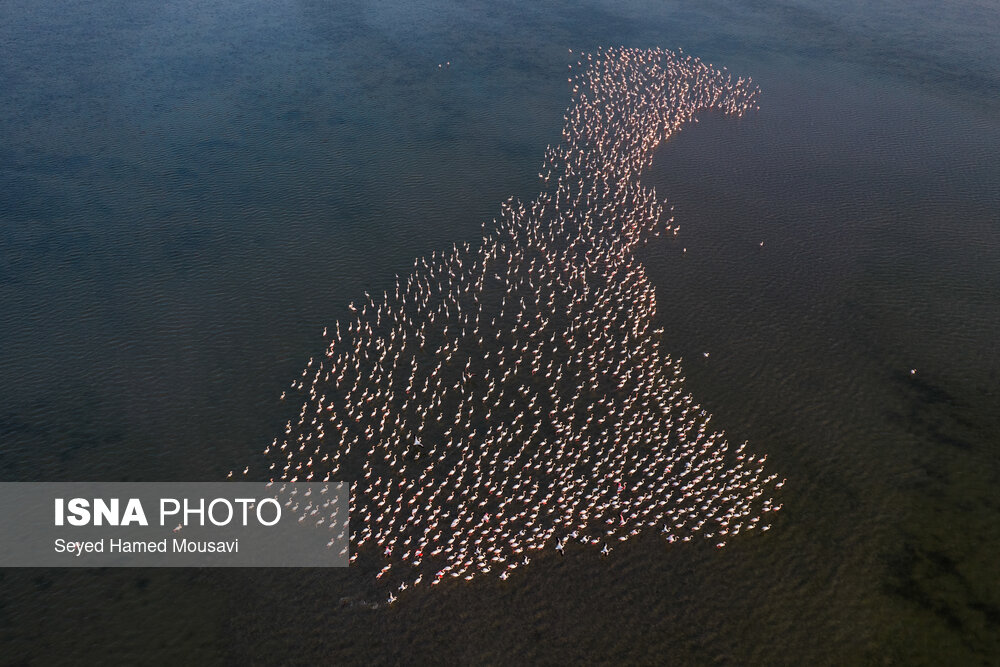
(189, 194)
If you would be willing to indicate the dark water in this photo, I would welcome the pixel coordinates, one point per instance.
(190, 192)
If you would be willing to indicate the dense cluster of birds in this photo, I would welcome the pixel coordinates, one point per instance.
(511, 397)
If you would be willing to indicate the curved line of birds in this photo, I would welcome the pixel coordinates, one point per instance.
(512, 397)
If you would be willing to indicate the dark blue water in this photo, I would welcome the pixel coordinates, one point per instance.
(189, 193)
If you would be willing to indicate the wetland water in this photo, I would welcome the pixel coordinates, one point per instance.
(190, 194)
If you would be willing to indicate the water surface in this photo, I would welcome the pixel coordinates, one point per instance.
(190, 193)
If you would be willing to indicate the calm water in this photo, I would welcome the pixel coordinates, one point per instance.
(189, 193)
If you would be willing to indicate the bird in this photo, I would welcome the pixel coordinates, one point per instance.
(511, 394)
